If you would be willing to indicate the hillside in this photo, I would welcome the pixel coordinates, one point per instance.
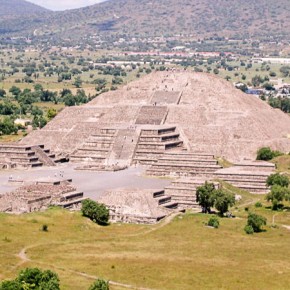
(167, 17)
(19, 7)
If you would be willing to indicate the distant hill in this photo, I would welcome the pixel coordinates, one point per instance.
(165, 17)
(19, 7)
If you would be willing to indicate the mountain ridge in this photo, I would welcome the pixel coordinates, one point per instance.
(166, 17)
(19, 7)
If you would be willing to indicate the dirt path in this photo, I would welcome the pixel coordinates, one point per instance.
(24, 258)
(286, 227)
(160, 225)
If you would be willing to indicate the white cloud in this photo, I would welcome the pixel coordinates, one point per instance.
(64, 4)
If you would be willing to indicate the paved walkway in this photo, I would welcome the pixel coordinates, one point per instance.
(90, 182)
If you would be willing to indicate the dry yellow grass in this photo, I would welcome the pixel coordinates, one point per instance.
(184, 254)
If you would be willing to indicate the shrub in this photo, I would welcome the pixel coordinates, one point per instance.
(45, 228)
(278, 179)
(100, 285)
(256, 222)
(95, 211)
(213, 222)
(249, 230)
(258, 204)
(266, 153)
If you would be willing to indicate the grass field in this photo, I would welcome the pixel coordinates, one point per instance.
(181, 254)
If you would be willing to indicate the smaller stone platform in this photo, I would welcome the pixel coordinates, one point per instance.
(25, 156)
(138, 206)
(41, 194)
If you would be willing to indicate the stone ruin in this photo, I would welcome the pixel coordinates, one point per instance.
(138, 206)
(176, 124)
(26, 156)
(39, 195)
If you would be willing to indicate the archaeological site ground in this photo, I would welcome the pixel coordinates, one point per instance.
(143, 150)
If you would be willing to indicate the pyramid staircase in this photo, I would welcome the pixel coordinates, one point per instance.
(154, 142)
(96, 150)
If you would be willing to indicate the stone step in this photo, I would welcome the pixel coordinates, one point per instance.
(158, 193)
(23, 161)
(183, 167)
(236, 176)
(156, 145)
(192, 154)
(35, 164)
(162, 136)
(87, 159)
(170, 205)
(252, 186)
(190, 174)
(93, 149)
(246, 180)
(15, 153)
(71, 203)
(163, 199)
(192, 162)
(158, 131)
(180, 189)
(71, 196)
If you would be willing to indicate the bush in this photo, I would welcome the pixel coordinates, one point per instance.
(95, 211)
(266, 153)
(258, 204)
(249, 230)
(100, 285)
(213, 222)
(278, 179)
(45, 228)
(256, 222)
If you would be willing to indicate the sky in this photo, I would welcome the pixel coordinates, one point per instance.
(64, 4)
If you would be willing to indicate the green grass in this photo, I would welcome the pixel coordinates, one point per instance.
(283, 163)
(184, 254)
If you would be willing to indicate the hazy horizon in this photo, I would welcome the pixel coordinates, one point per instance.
(57, 5)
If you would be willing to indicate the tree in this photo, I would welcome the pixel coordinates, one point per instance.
(278, 179)
(205, 196)
(256, 222)
(96, 212)
(100, 285)
(277, 195)
(2, 93)
(285, 71)
(51, 113)
(33, 278)
(223, 201)
(15, 91)
(257, 80)
(266, 153)
(7, 127)
(78, 82)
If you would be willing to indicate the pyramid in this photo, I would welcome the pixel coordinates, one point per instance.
(205, 113)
